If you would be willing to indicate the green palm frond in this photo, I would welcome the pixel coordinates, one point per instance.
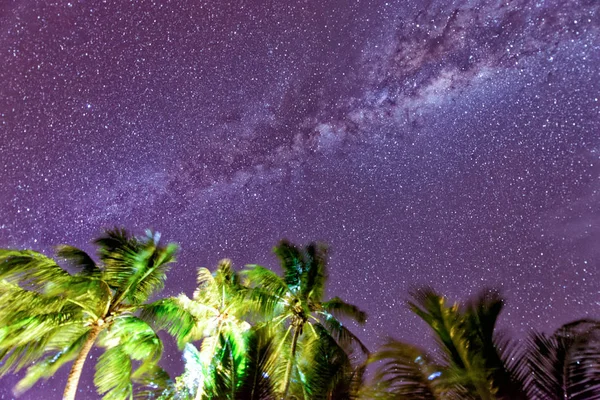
(446, 322)
(292, 262)
(325, 368)
(18, 303)
(342, 334)
(469, 344)
(206, 286)
(31, 270)
(314, 273)
(35, 328)
(79, 259)
(113, 374)
(129, 339)
(229, 367)
(139, 271)
(264, 371)
(170, 315)
(340, 308)
(269, 293)
(135, 338)
(150, 382)
(51, 364)
(15, 358)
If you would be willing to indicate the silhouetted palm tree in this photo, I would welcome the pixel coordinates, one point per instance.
(566, 364)
(51, 317)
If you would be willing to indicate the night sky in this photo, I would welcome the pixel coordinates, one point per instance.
(451, 143)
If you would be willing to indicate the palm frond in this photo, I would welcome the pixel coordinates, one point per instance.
(472, 357)
(149, 271)
(136, 269)
(31, 270)
(150, 382)
(264, 371)
(340, 308)
(113, 374)
(270, 291)
(206, 284)
(325, 367)
(14, 359)
(343, 335)
(445, 322)
(565, 364)
(79, 259)
(169, 314)
(135, 338)
(48, 367)
(406, 370)
(292, 262)
(314, 272)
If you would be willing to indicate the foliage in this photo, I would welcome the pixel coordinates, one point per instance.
(294, 304)
(261, 336)
(565, 365)
(55, 317)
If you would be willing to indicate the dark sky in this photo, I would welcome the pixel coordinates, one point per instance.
(452, 143)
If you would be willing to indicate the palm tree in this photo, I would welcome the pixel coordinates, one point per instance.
(564, 365)
(54, 317)
(213, 315)
(295, 301)
(475, 360)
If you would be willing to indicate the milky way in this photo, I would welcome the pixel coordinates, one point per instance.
(451, 143)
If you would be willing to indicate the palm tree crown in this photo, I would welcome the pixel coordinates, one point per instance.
(56, 317)
(295, 301)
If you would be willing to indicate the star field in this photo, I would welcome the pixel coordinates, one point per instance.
(451, 143)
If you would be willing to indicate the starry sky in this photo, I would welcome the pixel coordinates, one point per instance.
(446, 142)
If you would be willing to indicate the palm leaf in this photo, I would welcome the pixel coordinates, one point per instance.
(264, 372)
(406, 370)
(79, 259)
(340, 308)
(292, 262)
(169, 314)
(314, 273)
(342, 334)
(270, 291)
(31, 270)
(50, 365)
(324, 367)
(113, 374)
(565, 364)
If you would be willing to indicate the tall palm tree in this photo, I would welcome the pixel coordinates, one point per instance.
(54, 317)
(295, 301)
(566, 364)
(214, 315)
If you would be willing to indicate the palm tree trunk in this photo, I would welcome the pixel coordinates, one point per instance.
(75, 374)
(288, 371)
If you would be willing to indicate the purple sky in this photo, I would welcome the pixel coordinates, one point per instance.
(455, 143)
